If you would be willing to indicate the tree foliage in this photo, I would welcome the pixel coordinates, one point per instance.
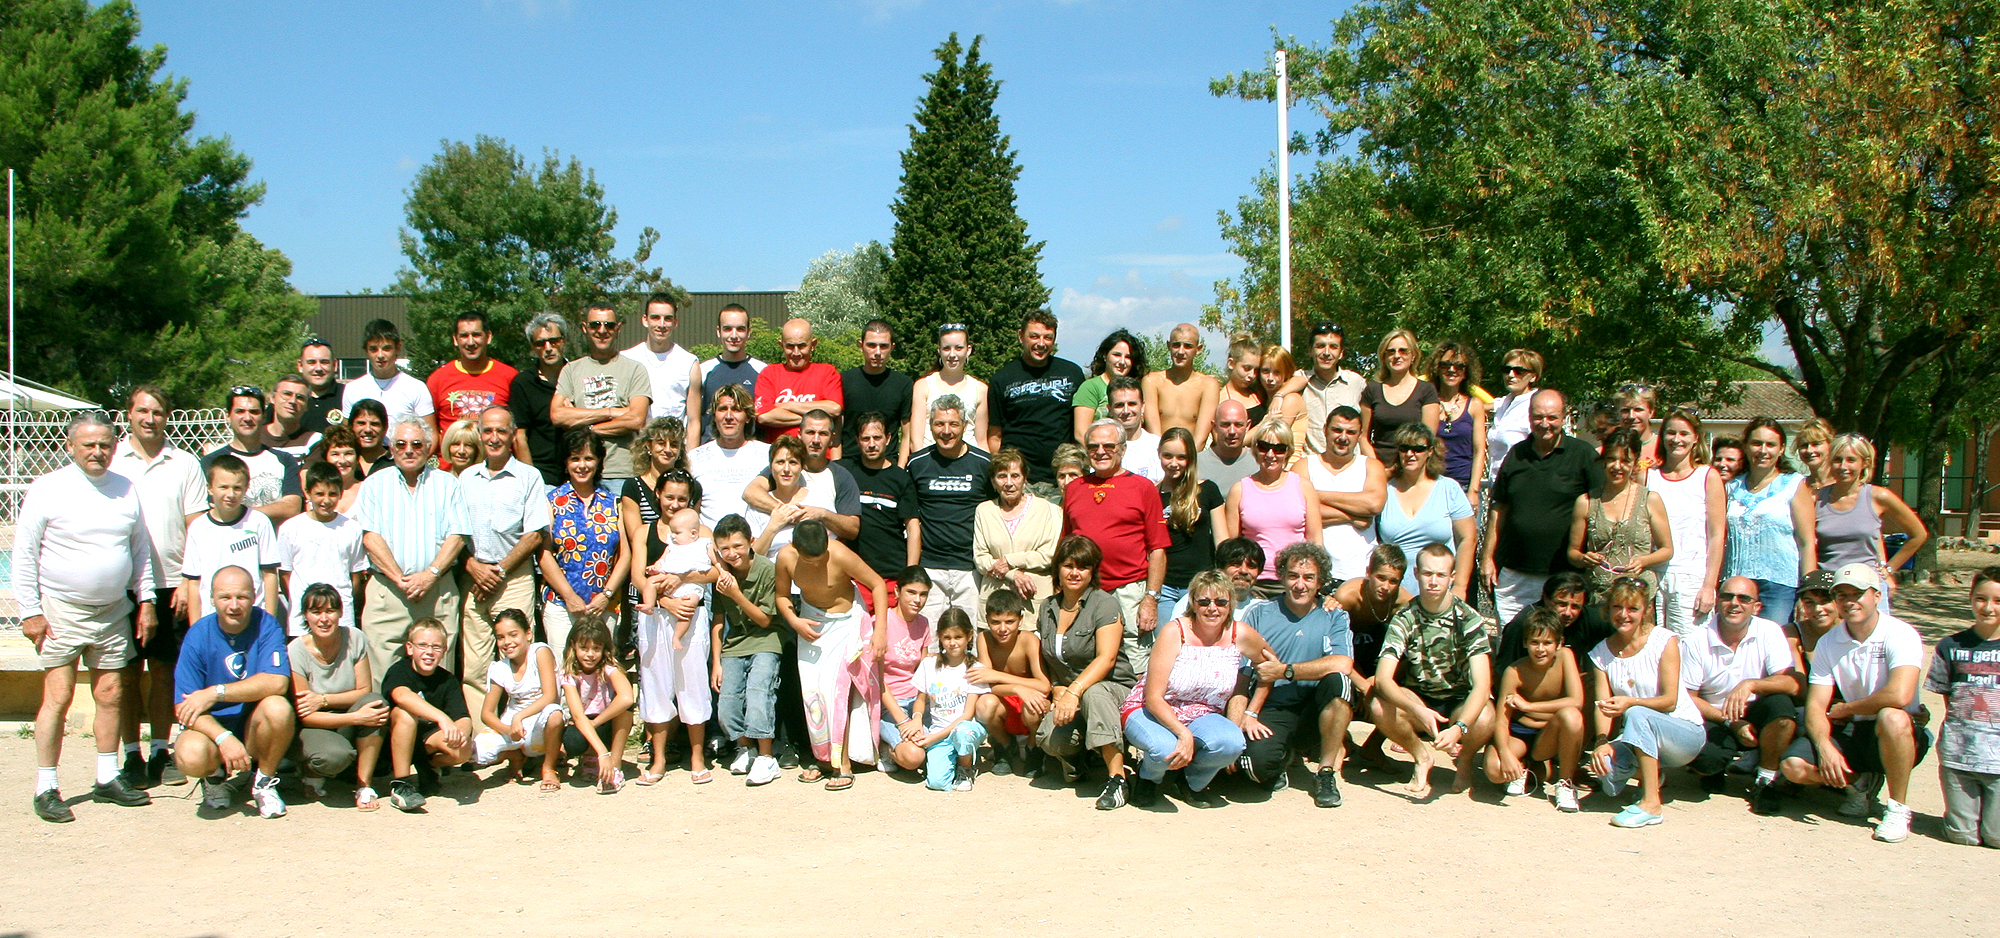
(961, 251)
(837, 294)
(132, 266)
(486, 231)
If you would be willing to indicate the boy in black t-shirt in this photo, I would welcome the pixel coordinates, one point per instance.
(429, 708)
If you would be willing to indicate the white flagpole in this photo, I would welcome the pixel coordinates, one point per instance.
(14, 399)
(1284, 204)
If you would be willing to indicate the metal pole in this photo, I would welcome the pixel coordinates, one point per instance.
(13, 399)
(1284, 204)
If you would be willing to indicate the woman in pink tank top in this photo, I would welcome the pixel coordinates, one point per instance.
(1273, 507)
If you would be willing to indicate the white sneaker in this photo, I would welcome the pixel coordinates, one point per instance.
(265, 794)
(1565, 797)
(763, 771)
(1895, 825)
(885, 765)
(741, 764)
(964, 782)
(1519, 786)
(215, 794)
(1860, 792)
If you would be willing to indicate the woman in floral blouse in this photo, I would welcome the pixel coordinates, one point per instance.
(585, 560)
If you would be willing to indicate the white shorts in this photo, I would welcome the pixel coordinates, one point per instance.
(488, 747)
(673, 683)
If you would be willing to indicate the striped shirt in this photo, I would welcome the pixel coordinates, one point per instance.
(414, 520)
(504, 504)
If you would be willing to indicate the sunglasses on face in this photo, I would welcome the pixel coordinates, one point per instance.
(1266, 446)
(1517, 370)
(1451, 366)
(406, 444)
(550, 342)
(1100, 447)
(1413, 448)
(1735, 598)
(601, 326)
(1210, 602)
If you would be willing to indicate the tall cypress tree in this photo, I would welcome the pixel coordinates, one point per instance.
(961, 252)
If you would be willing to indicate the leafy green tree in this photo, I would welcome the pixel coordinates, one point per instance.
(961, 251)
(837, 293)
(486, 231)
(132, 263)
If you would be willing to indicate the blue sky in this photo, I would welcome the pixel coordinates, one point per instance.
(754, 136)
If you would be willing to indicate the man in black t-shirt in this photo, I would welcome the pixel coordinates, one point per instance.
(1532, 499)
(1030, 400)
(537, 439)
(877, 388)
(323, 386)
(891, 536)
(951, 479)
(430, 716)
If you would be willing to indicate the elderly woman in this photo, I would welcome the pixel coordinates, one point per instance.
(1187, 717)
(1082, 640)
(1772, 521)
(1697, 514)
(1121, 354)
(1069, 465)
(1272, 507)
(586, 557)
(1014, 535)
(1852, 515)
(1425, 507)
(1621, 529)
(460, 446)
(1396, 396)
(1640, 697)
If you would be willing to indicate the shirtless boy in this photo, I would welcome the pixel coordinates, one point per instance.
(1180, 395)
(1541, 715)
(835, 665)
(1010, 664)
(1370, 600)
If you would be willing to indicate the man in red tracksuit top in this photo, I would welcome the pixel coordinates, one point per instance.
(1122, 513)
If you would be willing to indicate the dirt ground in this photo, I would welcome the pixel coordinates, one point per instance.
(1011, 856)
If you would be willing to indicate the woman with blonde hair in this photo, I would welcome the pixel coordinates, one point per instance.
(1852, 514)
(1396, 396)
(1426, 507)
(1190, 502)
(1812, 442)
(1639, 694)
(1272, 507)
(458, 448)
(1278, 374)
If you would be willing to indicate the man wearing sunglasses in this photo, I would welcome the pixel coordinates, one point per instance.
(413, 523)
(537, 438)
(1331, 387)
(274, 475)
(1748, 692)
(605, 391)
(1122, 512)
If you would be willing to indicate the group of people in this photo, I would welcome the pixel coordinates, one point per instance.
(1156, 575)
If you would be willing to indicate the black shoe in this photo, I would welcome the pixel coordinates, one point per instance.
(1326, 789)
(1113, 797)
(117, 791)
(49, 807)
(1205, 798)
(1141, 793)
(788, 758)
(134, 772)
(161, 770)
(427, 779)
(1714, 784)
(404, 796)
(1766, 800)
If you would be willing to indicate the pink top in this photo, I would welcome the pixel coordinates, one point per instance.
(1275, 519)
(595, 689)
(1202, 679)
(907, 643)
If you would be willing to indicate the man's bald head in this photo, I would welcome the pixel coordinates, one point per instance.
(797, 330)
(1232, 425)
(797, 339)
(232, 592)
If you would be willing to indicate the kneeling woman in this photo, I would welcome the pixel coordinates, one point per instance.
(1639, 690)
(1083, 644)
(1188, 715)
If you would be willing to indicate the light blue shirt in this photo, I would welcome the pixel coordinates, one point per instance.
(503, 505)
(415, 521)
(1762, 542)
(1431, 524)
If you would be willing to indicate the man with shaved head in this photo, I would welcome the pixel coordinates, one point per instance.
(1180, 395)
(1532, 499)
(604, 391)
(232, 697)
(797, 385)
(1227, 461)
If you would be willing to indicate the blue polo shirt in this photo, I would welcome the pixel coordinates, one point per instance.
(1297, 639)
(210, 656)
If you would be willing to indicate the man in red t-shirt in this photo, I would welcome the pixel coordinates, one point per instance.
(1123, 514)
(796, 386)
(471, 382)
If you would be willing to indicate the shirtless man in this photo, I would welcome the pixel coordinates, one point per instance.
(1010, 664)
(834, 666)
(1182, 396)
(1370, 599)
(1244, 357)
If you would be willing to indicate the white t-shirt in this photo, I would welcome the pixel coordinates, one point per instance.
(401, 395)
(250, 543)
(171, 487)
(316, 552)
(1639, 675)
(1862, 668)
(723, 473)
(1714, 669)
(668, 373)
(947, 688)
(821, 492)
(1142, 457)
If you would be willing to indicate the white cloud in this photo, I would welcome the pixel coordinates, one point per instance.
(1209, 266)
(1169, 223)
(1128, 302)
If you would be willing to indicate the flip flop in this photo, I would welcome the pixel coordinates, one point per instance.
(365, 800)
(702, 777)
(840, 782)
(649, 777)
(550, 785)
(811, 774)
(610, 786)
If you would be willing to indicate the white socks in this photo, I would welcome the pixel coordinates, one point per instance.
(131, 749)
(1766, 776)
(107, 767)
(45, 778)
(159, 745)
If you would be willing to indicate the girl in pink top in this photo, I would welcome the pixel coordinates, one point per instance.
(1273, 507)
(901, 645)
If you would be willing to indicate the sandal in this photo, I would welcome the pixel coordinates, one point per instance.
(702, 776)
(648, 777)
(840, 782)
(364, 799)
(811, 774)
(610, 786)
(550, 785)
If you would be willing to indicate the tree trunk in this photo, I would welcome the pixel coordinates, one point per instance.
(1937, 438)
(1982, 437)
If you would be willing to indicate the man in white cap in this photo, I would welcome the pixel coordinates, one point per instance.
(1871, 735)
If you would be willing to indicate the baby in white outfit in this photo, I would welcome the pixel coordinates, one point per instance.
(690, 553)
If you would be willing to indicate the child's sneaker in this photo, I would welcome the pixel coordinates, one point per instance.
(965, 775)
(265, 793)
(763, 771)
(741, 764)
(1565, 797)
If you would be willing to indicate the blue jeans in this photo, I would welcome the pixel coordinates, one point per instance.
(891, 736)
(1674, 742)
(1169, 595)
(941, 759)
(1217, 743)
(750, 696)
(1778, 600)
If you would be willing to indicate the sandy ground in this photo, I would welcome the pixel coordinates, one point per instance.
(891, 858)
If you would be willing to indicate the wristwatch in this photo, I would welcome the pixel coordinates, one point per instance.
(433, 571)
(1288, 672)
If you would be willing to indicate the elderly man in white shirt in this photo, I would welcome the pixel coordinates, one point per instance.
(80, 547)
(1746, 682)
(172, 491)
(508, 506)
(413, 523)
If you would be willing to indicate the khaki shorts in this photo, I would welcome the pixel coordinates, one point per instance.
(100, 635)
